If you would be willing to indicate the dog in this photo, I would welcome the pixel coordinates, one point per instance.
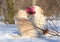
(25, 27)
(35, 15)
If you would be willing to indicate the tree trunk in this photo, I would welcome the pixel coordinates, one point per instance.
(10, 11)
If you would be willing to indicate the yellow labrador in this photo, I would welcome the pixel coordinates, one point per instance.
(35, 15)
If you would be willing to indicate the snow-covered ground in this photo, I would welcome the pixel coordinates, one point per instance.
(6, 32)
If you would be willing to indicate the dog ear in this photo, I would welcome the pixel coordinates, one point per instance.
(41, 10)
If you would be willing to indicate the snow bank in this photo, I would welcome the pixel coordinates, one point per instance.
(8, 31)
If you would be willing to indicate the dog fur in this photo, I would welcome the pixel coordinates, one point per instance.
(38, 19)
(25, 27)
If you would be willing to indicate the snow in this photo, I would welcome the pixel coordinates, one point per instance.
(8, 31)
(30, 40)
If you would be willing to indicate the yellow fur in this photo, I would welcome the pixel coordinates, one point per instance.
(24, 25)
(38, 19)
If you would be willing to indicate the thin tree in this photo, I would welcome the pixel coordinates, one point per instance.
(10, 11)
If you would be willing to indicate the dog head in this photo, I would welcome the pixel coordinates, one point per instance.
(37, 9)
(34, 10)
